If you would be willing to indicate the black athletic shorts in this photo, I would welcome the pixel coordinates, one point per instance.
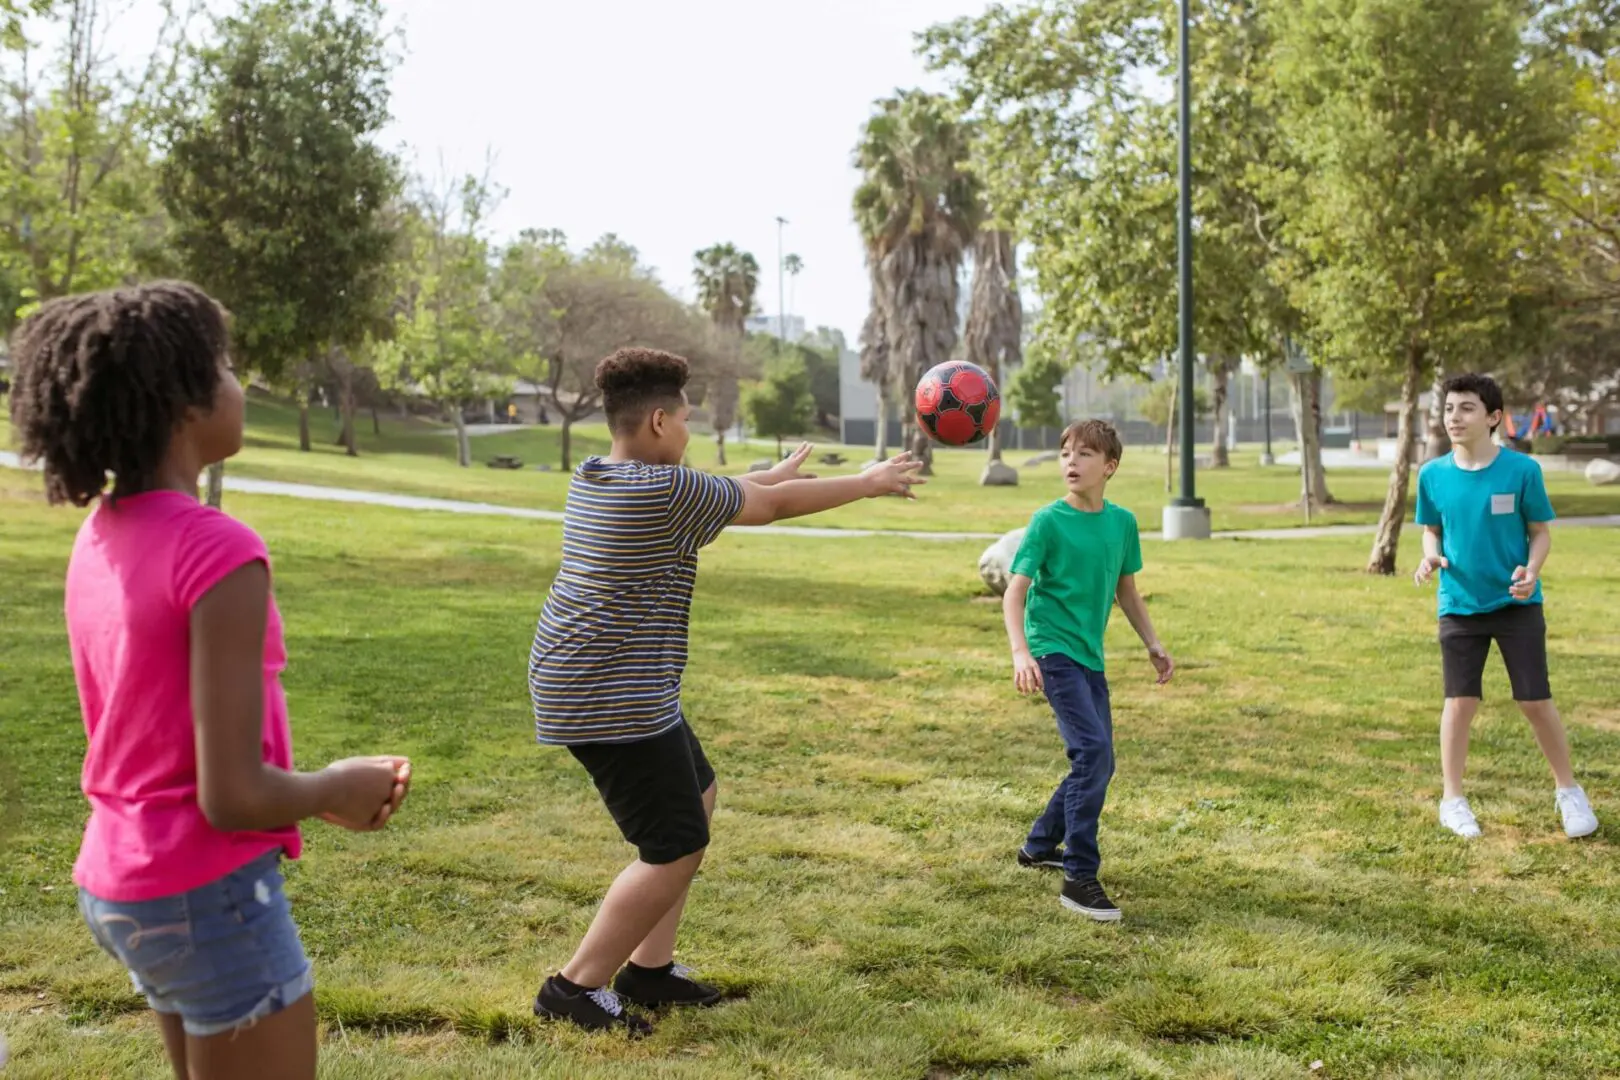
(654, 790)
(1520, 632)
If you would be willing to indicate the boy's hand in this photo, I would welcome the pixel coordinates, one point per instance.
(788, 468)
(897, 476)
(1524, 583)
(1027, 673)
(1162, 663)
(1425, 569)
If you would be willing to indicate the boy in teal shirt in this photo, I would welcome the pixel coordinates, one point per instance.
(1078, 556)
(1485, 517)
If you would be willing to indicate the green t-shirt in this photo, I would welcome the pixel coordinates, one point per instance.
(1075, 560)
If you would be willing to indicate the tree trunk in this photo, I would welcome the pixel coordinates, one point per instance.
(882, 440)
(1438, 443)
(719, 444)
(922, 449)
(995, 443)
(376, 422)
(1170, 438)
(1387, 543)
(1220, 376)
(463, 445)
(216, 484)
(779, 454)
(567, 443)
(303, 419)
(1305, 402)
(346, 406)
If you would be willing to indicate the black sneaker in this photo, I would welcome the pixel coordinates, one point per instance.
(1087, 897)
(593, 1010)
(652, 989)
(1054, 861)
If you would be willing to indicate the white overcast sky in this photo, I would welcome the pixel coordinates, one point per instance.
(673, 123)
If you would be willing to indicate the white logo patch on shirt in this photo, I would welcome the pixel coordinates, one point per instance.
(1502, 504)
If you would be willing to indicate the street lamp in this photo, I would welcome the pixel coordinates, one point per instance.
(781, 292)
(1186, 518)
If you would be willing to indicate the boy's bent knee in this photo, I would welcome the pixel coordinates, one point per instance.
(674, 857)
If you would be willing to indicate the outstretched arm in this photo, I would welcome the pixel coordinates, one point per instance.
(763, 504)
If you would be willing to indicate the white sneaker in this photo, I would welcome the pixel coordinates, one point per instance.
(1456, 816)
(1577, 810)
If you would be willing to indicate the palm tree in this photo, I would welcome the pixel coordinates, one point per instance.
(726, 280)
(995, 325)
(794, 267)
(917, 208)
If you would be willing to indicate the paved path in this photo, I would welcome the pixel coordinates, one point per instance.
(249, 486)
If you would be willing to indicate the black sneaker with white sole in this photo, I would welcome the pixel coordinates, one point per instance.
(593, 1010)
(1087, 897)
(1052, 861)
(654, 988)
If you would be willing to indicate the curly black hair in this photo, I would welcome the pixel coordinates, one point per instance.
(1485, 387)
(636, 381)
(102, 380)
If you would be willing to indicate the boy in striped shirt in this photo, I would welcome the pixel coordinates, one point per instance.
(605, 670)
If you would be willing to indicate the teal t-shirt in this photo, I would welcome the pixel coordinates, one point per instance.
(1075, 560)
(1483, 516)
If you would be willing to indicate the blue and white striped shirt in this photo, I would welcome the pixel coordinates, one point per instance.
(611, 645)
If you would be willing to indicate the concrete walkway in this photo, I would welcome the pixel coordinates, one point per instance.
(250, 486)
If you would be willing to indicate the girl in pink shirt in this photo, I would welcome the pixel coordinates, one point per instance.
(177, 653)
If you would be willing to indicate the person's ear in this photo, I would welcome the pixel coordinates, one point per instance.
(658, 421)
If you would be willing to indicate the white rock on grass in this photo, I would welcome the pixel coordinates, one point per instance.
(1602, 472)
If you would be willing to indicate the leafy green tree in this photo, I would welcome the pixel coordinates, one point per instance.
(283, 204)
(781, 405)
(1419, 134)
(445, 343)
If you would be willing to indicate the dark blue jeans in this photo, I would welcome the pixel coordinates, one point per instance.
(1079, 697)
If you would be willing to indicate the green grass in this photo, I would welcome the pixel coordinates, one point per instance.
(1289, 897)
(418, 458)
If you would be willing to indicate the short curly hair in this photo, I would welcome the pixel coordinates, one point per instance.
(103, 379)
(636, 381)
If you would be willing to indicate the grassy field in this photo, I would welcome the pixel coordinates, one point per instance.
(1289, 897)
(416, 458)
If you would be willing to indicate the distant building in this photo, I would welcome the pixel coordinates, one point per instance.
(773, 325)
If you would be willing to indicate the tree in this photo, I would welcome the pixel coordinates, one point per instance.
(283, 205)
(793, 266)
(445, 344)
(917, 208)
(79, 208)
(781, 405)
(1076, 141)
(561, 314)
(1418, 132)
(1159, 409)
(995, 324)
(727, 280)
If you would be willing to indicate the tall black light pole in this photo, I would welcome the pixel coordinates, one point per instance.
(1186, 518)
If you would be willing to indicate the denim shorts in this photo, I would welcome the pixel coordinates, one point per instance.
(221, 957)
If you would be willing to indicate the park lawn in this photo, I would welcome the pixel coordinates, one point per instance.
(415, 457)
(1270, 834)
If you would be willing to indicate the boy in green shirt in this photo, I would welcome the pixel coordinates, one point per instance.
(1078, 556)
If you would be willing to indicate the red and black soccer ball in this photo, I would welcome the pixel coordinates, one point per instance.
(958, 403)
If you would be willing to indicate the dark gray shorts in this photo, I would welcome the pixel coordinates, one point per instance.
(1520, 633)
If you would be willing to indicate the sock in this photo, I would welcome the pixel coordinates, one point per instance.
(569, 988)
(662, 969)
